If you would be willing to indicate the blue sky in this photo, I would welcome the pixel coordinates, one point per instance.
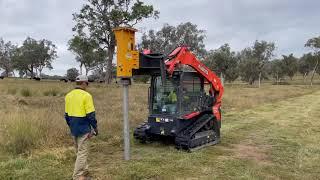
(288, 23)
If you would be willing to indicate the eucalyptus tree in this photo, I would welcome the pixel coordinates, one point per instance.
(97, 19)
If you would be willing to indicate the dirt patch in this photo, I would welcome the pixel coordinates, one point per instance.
(252, 152)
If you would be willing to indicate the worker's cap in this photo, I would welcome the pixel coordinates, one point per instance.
(82, 78)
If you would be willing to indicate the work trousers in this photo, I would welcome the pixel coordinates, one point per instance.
(82, 150)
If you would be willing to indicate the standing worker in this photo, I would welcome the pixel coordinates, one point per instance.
(80, 117)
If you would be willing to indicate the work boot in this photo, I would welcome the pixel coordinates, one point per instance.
(82, 178)
(85, 178)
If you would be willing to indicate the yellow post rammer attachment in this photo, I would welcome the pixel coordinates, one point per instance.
(127, 56)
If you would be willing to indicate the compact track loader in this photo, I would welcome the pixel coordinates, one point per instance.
(179, 105)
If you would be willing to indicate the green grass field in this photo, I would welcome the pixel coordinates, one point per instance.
(270, 132)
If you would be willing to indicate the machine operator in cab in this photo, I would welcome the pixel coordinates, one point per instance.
(80, 117)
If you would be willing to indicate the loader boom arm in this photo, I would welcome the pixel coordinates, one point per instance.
(182, 55)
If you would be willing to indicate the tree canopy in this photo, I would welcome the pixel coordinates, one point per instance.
(314, 43)
(72, 74)
(254, 59)
(87, 52)
(277, 69)
(97, 18)
(33, 56)
(305, 64)
(290, 65)
(7, 50)
(224, 62)
(169, 37)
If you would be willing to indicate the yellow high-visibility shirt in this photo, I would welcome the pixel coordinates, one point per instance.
(78, 103)
(172, 97)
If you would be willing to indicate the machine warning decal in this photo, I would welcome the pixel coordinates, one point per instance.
(164, 120)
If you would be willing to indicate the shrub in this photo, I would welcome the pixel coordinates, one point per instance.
(25, 92)
(51, 92)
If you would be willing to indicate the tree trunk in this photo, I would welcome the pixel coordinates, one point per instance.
(251, 81)
(259, 79)
(40, 70)
(87, 70)
(304, 77)
(277, 79)
(111, 51)
(314, 71)
(31, 71)
(222, 78)
(81, 68)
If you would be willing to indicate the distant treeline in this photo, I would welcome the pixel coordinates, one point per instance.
(94, 46)
(29, 59)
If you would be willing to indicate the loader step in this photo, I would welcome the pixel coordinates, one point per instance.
(140, 133)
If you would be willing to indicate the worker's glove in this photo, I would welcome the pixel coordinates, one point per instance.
(95, 132)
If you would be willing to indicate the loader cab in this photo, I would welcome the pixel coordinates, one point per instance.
(177, 95)
(164, 98)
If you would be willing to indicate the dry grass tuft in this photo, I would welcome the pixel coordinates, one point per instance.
(52, 92)
(25, 92)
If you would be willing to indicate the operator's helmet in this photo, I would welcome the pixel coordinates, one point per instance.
(82, 78)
